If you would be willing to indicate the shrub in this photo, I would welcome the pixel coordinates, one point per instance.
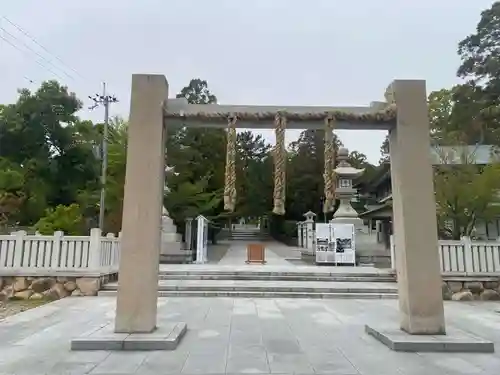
(67, 219)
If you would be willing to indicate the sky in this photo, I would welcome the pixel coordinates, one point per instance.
(274, 52)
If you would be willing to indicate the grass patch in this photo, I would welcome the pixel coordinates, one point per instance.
(15, 306)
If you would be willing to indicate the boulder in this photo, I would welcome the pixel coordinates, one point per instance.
(8, 291)
(474, 286)
(489, 295)
(37, 296)
(1, 283)
(50, 294)
(20, 283)
(42, 284)
(60, 290)
(89, 286)
(23, 294)
(491, 284)
(3, 297)
(70, 286)
(455, 286)
(446, 291)
(464, 295)
(77, 293)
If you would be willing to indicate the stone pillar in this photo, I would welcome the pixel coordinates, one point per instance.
(304, 234)
(299, 234)
(136, 304)
(415, 226)
(310, 234)
(201, 239)
(188, 233)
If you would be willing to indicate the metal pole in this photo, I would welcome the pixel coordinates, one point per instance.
(104, 159)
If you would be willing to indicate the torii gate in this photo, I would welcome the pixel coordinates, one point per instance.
(151, 113)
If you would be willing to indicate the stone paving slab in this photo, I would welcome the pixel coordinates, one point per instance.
(241, 336)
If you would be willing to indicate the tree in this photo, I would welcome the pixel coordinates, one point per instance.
(198, 155)
(480, 55)
(305, 185)
(455, 117)
(11, 194)
(188, 200)
(115, 181)
(198, 152)
(197, 92)
(41, 134)
(359, 160)
(384, 151)
(450, 116)
(253, 175)
(67, 219)
(465, 193)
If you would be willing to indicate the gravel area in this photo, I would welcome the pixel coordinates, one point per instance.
(9, 308)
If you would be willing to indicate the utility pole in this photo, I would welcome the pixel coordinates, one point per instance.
(104, 100)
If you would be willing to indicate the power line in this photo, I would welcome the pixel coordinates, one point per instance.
(23, 51)
(35, 52)
(33, 39)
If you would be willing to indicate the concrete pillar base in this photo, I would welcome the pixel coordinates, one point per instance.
(166, 337)
(456, 341)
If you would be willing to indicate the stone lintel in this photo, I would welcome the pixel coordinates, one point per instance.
(181, 105)
(166, 337)
(455, 341)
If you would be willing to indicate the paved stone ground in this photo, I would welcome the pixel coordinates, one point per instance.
(217, 252)
(242, 336)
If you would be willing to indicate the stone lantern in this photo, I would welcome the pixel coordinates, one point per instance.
(345, 192)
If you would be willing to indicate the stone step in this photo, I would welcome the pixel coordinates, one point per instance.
(268, 271)
(305, 278)
(247, 236)
(270, 287)
(246, 294)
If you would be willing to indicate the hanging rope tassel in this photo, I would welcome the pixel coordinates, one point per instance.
(329, 172)
(279, 165)
(230, 172)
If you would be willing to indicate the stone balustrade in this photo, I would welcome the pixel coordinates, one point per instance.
(57, 266)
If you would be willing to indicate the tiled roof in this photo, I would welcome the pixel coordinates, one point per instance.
(478, 154)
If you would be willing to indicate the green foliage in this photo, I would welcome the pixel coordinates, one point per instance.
(187, 199)
(197, 92)
(254, 175)
(42, 135)
(305, 185)
(480, 55)
(466, 194)
(67, 219)
(11, 194)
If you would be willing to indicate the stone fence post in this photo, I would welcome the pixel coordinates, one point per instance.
(95, 249)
